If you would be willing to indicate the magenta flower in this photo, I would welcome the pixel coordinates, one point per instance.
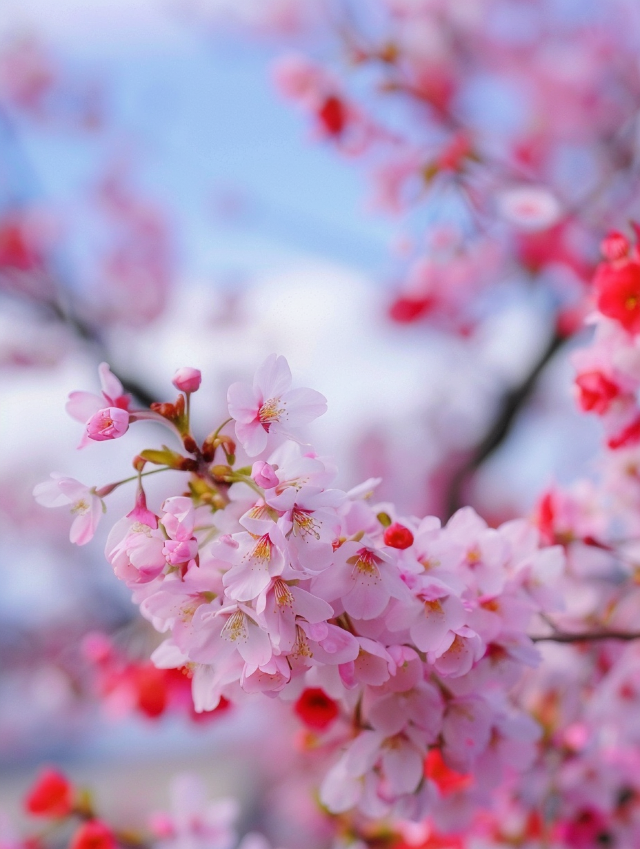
(269, 406)
(110, 423)
(86, 506)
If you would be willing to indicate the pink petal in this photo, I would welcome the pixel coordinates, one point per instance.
(256, 650)
(109, 383)
(242, 402)
(252, 437)
(403, 766)
(272, 378)
(49, 494)
(82, 405)
(303, 406)
(310, 607)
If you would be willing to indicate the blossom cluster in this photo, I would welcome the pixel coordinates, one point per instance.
(609, 370)
(396, 639)
(193, 820)
(407, 102)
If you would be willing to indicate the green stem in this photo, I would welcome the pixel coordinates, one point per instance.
(136, 478)
(217, 431)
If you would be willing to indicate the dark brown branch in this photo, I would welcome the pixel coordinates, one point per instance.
(88, 334)
(508, 410)
(587, 637)
(55, 305)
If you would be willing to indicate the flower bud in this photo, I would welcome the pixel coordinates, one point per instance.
(264, 474)
(187, 379)
(139, 463)
(397, 536)
(50, 796)
(316, 709)
(190, 444)
(180, 551)
(93, 835)
(110, 423)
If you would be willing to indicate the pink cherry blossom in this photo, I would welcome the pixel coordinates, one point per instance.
(363, 579)
(193, 822)
(270, 406)
(82, 406)
(86, 506)
(110, 423)
(135, 550)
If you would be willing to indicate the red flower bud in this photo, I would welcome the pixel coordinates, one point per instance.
(151, 690)
(316, 709)
(397, 536)
(93, 835)
(50, 796)
(333, 116)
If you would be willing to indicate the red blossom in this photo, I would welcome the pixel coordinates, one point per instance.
(546, 517)
(15, 250)
(316, 709)
(596, 392)
(405, 310)
(447, 779)
(618, 293)
(614, 246)
(50, 796)
(151, 690)
(630, 435)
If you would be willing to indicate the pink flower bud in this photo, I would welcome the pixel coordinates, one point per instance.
(187, 379)
(264, 474)
(109, 423)
(180, 551)
(141, 514)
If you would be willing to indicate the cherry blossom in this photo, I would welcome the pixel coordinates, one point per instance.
(270, 406)
(86, 506)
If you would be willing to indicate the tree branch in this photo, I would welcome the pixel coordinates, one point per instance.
(509, 408)
(588, 636)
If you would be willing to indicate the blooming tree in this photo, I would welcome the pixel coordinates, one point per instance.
(434, 681)
(408, 647)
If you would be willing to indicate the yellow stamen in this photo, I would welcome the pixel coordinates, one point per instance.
(235, 628)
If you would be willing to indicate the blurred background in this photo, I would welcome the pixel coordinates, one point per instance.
(413, 229)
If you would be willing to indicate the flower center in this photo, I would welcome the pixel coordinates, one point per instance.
(262, 550)
(304, 524)
(301, 646)
(81, 507)
(235, 628)
(140, 528)
(270, 412)
(284, 597)
(366, 562)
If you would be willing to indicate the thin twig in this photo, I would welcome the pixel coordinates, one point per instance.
(509, 408)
